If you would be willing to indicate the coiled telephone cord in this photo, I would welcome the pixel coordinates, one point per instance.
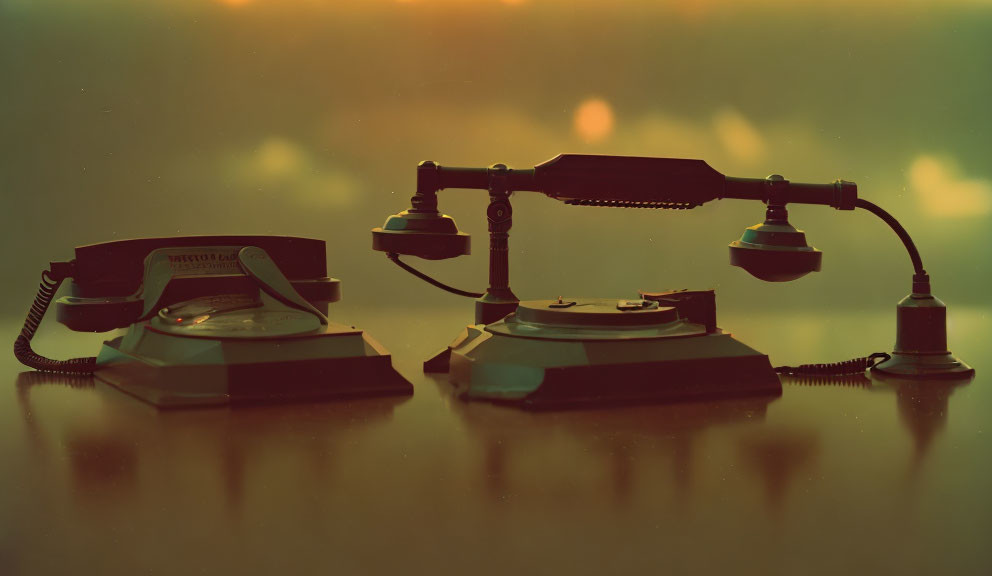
(22, 346)
(855, 366)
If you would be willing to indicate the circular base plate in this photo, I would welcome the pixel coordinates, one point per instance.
(594, 319)
(595, 312)
(924, 366)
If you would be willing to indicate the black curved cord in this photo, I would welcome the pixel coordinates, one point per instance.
(22, 346)
(914, 254)
(855, 366)
(921, 283)
(396, 259)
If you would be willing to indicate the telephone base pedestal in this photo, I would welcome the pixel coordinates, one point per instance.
(171, 371)
(564, 353)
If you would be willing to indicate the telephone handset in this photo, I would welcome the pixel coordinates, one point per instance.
(115, 284)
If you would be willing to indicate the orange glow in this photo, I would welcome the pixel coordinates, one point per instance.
(694, 9)
(593, 120)
(234, 2)
(508, 2)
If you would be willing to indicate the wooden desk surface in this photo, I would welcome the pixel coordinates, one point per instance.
(859, 478)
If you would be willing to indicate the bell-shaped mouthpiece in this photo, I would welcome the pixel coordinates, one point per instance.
(774, 251)
(425, 234)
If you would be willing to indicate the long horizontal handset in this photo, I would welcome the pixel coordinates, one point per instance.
(630, 181)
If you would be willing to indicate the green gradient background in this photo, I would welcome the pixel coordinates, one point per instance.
(123, 119)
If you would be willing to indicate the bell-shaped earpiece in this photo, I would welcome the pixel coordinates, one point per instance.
(426, 234)
(774, 251)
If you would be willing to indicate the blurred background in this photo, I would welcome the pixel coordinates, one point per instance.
(124, 119)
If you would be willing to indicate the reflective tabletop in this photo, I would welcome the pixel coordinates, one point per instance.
(833, 476)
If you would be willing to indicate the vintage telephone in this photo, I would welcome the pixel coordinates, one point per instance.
(211, 319)
(659, 345)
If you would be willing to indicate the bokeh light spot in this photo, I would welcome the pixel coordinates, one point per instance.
(278, 157)
(739, 137)
(593, 120)
(943, 193)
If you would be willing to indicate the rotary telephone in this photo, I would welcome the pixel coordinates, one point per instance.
(116, 284)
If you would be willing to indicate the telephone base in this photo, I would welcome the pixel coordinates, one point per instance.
(587, 352)
(171, 372)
